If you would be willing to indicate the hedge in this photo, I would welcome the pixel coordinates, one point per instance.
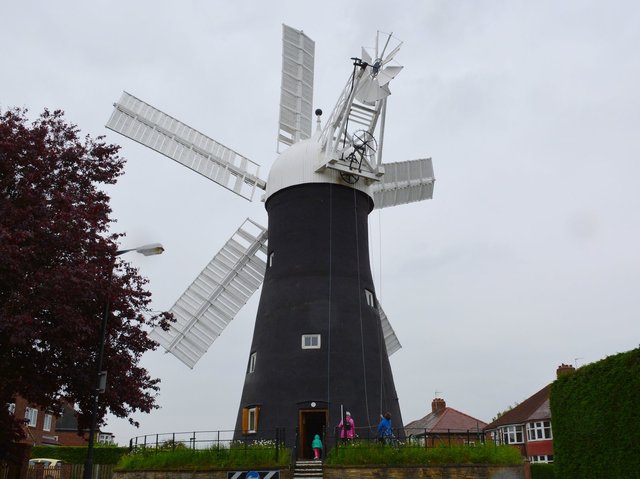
(77, 455)
(596, 419)
(543, 471)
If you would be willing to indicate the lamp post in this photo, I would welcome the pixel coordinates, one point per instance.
(101, 377)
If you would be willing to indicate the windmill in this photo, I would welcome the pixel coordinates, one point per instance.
(321, 341)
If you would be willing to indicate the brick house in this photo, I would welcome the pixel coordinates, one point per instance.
(67, 430)
(45, 428)
(39, 424)
(445, 425)
(528, 425)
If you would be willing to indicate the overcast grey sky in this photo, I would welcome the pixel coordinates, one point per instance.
(527, 257)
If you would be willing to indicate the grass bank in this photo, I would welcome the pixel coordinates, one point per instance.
(232, 457)
(365, 453)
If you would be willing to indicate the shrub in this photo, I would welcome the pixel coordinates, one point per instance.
(596, 419)
(543, 471)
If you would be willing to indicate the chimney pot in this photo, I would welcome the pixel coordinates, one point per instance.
(438, 404)
(564, 369)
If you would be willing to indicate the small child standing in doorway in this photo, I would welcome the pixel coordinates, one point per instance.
(316, 444)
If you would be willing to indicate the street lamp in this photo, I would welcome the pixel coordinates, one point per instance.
(101, 379)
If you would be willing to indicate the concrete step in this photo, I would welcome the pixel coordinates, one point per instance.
(308, 470)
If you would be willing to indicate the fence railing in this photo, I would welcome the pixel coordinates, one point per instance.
(200, 440)
(421, 437)
(188, 439)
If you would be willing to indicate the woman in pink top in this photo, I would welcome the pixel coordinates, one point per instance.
(348, 429)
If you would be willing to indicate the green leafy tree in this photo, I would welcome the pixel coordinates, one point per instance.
(56, 261)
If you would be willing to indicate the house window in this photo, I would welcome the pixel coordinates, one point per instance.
(250, 419)
(47, 422)
(12, 407)
(371, 300)
(252, 363)
(538, 431)
(270, 261)
(31, 415)
(546, 459)
(105, 438)
(310, 341)
(511, 435)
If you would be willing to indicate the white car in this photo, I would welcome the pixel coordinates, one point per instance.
(45, 468)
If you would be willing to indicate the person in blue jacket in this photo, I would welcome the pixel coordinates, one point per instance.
(316, 444)
(385, 429)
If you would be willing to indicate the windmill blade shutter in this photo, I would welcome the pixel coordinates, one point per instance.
(390, 338)
(216, 295)
(296, 91)
(150, 127)
(404, 182)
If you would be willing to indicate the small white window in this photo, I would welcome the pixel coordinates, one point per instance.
(252, 363)
(371, 300)
(12, 407)
(252, 425)
(31, 415)
(105, 438)
(543, 459)
(271, 255)
(310, 341)
(47, 422)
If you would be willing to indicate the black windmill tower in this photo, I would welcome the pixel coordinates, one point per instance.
(321, 340)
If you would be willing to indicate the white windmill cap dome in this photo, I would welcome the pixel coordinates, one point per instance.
(297, 165)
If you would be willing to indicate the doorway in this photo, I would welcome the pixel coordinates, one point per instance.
(312, 422)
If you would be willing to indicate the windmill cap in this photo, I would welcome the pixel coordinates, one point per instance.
(297, 166)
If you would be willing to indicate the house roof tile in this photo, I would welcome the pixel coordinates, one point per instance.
(447, 419)
(535, 407)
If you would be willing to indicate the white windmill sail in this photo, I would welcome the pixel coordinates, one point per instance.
(149, 126)
(296, 91)
(390, 338)
(216, 295)
(404, 182)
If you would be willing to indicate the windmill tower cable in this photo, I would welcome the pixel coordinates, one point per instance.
(362, 342)
(312, 286)
(329, 266)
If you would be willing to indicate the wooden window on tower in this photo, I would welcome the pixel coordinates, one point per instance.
(250, 417)
(270, 262)
(371, 300)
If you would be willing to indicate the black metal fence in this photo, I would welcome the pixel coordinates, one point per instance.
(201, 440)
(419, 437)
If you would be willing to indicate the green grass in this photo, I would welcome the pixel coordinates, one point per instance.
(260, 455)
(369, 454)
(236, 456)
